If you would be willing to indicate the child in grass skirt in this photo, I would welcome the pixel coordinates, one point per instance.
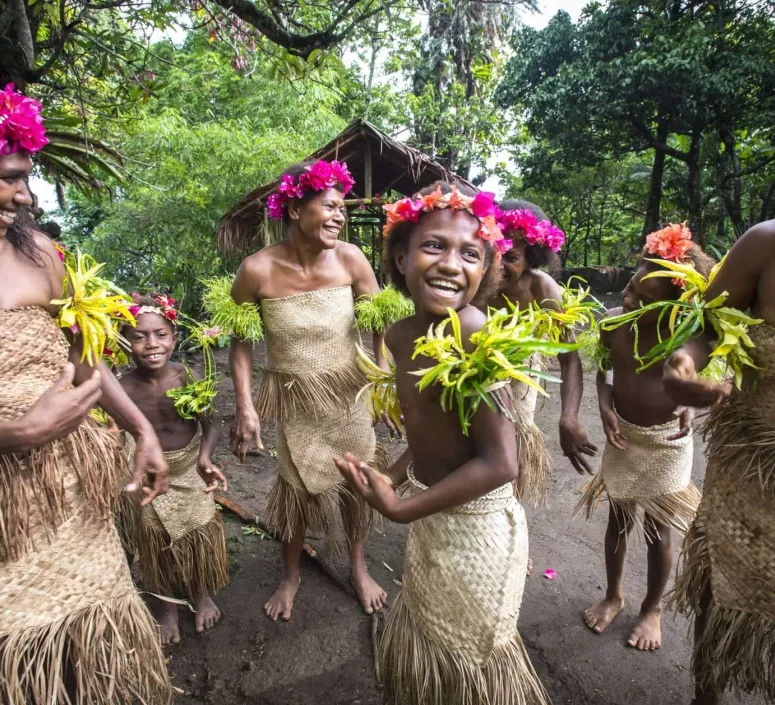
(647, 462)
(451, 638)
(179, 536)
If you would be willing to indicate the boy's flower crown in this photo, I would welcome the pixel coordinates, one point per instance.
(165, 307)
(671, 243)
(21, 124)
(320, 176)
(524, 223)
(481, 206)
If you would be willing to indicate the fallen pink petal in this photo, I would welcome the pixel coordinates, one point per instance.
(550, 574)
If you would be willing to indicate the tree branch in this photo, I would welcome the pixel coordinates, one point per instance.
(23, 33)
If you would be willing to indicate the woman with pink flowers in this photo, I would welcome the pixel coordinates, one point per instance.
(305, 287)
(534, 244)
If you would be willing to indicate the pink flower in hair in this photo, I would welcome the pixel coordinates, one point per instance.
(342, 176)
(317, 176)
(555, 238)
(490, 230)
(21, 124)
(483, 205)
(289, 187)
(671, 243)
(504, 245)
(274, 206)
(407, 209)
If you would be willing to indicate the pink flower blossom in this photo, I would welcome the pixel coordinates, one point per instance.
(550, 574)
(484, 205)
(671, 243)
(504, 245)
(21, 124)
(490, 230)
(407, 209)
(275, 206)
(212, 332)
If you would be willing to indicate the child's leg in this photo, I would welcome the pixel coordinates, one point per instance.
(372, 597)
(168, 622)
(281, 603)
(207, 612)
(647, 635)
(703, 695)
(599, 616)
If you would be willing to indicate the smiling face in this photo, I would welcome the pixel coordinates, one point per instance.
(514, 261)
(444, 261)
(321, 218)
(152, 341)
(14, 194)
(642, 292)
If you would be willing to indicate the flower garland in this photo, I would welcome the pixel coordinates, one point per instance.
(495, 223)
(165, 306)
(320, 176)
(21, 124)
(524, 224)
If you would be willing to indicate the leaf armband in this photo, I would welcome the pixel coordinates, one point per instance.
(377, 313)
(381, 393)
(243, 321)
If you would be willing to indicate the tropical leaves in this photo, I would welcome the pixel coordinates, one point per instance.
(688, 316)
(381, 393)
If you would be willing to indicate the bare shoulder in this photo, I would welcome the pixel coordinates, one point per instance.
(397, 335)
(605, 335)
(178, 373)
(543, 286)
(254, 271)
(471, 321)
(49, 254)
(351, 256)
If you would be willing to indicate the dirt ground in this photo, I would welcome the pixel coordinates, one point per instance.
(323, 656)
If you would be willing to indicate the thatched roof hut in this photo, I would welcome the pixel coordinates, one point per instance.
(379, 165)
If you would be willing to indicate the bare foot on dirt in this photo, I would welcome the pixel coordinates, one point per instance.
(529, 567)
(168, 623)
(647, 635)
(207, 613)
(599, 616)
(281, 603)
(371, 596)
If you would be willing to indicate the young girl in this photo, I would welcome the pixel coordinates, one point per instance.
(647, 462)
(180, 535)
(524, 283)
(452, 635)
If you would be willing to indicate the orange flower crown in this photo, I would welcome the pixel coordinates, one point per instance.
(671, 243)
(481, 206)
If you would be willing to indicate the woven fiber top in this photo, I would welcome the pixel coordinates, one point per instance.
(763, 337)
(311, 332)
(33, 351)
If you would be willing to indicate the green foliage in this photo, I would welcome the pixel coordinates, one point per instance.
(243, 321)
(379, 312)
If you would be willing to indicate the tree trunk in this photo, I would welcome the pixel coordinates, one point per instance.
(653, 206)
(765, 211)
(733, 195)
(695, 188)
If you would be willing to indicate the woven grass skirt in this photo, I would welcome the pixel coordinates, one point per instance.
(180, 538)
(729, 553)
(652, 476)
(535, 464)
(451, 638)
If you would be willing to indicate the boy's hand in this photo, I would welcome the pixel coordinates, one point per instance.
(685, 416)
(686, 388)
(375, 488)
(574, 444)
(212, 474)
(612, 431)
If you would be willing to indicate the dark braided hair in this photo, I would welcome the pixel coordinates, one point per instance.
(398, 241)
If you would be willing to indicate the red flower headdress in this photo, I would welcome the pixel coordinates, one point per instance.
(320, 176)
(165, 307)
(21, 124)
(481, 206)
(524, 223)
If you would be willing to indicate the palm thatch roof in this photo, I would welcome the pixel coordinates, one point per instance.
(378, 163)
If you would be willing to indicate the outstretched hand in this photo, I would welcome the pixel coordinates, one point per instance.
(212, 474)
(151, 470)
(372, 485)
(686, 388)
(575, 445)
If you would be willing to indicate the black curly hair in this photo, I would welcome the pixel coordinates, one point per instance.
(536, 256)
(296, 170)
(21, 236)
(398, 241)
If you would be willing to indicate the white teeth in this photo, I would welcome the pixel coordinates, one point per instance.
(441, 284)
(11, 215)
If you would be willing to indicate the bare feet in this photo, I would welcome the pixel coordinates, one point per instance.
(168, 623)
(599, 616)
(529, 566)
(372, 597)
(281, 603)
(647, 635)
(207, 613)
